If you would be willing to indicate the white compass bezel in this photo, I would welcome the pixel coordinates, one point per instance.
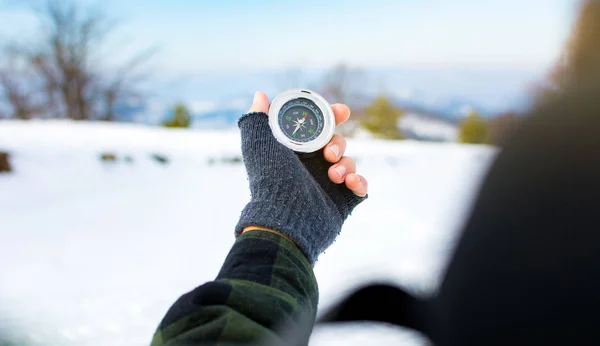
(328, 120)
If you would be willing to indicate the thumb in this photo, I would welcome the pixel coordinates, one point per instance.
(260, 103)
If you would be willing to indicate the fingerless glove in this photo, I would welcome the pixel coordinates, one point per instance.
(291, 194)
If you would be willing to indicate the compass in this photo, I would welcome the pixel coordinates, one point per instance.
(302, 120)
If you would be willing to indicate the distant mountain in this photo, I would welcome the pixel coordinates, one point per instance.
(450, 114)
(217, 119)
(453, 109)
(416, 123)
(225, 117)
(419, 125)
(216, 99)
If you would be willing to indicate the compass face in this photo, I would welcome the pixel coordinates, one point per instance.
(301, 120)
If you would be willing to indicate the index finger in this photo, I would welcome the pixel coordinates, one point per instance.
(341, 112)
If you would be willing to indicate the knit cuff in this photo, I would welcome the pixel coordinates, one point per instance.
(280, 219)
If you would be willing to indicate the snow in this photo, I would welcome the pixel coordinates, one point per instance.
(94, 253)
(428, 127)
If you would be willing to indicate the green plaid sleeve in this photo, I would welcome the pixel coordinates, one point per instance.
(265, 294)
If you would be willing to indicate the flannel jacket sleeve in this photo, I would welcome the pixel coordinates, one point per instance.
(265, 294)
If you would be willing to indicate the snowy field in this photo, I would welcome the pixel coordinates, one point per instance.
(94, 253)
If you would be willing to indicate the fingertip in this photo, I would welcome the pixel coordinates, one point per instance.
(332, 153)
(336, 148)
(337, 173)
(352, 181)
(357, 184)
(341, 112)
(363, 182)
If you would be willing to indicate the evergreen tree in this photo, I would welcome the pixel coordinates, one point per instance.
(381, 119)
(474, 130)
(181, 117)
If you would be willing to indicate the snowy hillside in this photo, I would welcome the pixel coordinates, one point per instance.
(422, 126)
(94, 253)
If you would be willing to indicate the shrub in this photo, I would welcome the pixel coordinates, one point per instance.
(162, 159)
(181, 117)
(108, 157)
(474, 130)
(381, 119)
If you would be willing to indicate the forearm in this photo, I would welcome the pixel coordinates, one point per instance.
(265, 283)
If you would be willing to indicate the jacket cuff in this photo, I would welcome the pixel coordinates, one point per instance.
(279, 218)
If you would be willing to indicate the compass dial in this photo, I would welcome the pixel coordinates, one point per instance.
(301, 120)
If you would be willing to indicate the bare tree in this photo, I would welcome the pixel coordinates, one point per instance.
(342, 84)
(18, 99)
(14, 81)
(73, 83)
(50, 84)
(122, 85)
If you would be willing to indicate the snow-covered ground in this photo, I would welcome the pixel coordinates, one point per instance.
(94, 253)
(428, 126)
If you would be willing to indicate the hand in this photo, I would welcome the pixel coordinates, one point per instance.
(305, 198)
(344, 168)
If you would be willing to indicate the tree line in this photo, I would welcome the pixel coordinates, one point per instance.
(578, 64)
(60, 76)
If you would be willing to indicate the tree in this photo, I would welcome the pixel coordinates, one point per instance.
(66, 63)
(181, 117)
(342, 84)
(339, 84)
(473, 130)
(381, 119)
(14, 80)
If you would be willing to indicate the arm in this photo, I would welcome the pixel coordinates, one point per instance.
(298, 205)
(265, 283)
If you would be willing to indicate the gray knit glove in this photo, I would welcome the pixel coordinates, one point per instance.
(291, 194)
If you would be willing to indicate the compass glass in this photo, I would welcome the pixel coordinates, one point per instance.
(301, 120)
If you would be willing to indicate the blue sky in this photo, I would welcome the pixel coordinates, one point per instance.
(217, 53)
(196, 36)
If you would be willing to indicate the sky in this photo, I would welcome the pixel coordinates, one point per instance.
(193, 36)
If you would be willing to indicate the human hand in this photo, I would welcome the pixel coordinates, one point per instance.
(343, 169)
(305, 198)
